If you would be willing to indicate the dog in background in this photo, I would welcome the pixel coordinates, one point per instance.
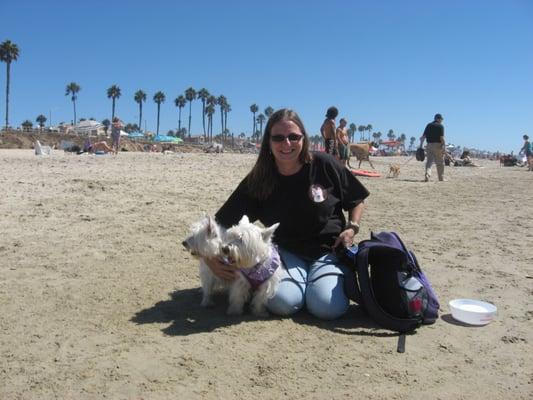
(394, 170)
(362, 152)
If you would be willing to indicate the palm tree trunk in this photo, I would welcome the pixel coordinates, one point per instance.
(7, 94)
(225, 120)
(74, 104)
(140, 114)
(222, 122)
(158, 107)
(253, 133)
(190, 110)
(113, 111)
(203, 115)
(179, 120)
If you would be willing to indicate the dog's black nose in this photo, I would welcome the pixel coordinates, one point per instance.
(185, 244)
(225, 249)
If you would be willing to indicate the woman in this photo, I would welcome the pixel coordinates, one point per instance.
(116, 127)
(342, 140)
(528, 151)
(306, 193)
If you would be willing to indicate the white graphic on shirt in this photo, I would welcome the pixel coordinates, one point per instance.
(317, 193)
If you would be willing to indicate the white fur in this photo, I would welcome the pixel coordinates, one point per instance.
(205, 242)
(242, 246)
(247, 245)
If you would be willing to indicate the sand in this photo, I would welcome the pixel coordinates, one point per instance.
(99, 300)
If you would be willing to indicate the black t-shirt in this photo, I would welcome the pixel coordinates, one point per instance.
(308, 205)
(433, 132)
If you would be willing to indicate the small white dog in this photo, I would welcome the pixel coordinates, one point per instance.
(246, 247)
(249, 248)
(205, 241)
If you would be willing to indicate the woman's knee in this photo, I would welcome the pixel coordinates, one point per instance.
(326, 302)
(288, 299)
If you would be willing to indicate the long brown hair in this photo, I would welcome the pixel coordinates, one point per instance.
(263, 178)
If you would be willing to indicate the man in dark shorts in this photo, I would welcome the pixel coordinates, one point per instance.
(328, 131)
(434, 135)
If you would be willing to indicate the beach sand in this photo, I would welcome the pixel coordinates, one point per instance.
(98, 298)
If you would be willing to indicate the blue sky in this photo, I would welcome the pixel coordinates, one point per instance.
(392, 64)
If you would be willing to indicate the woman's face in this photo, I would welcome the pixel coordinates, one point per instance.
(286, 152)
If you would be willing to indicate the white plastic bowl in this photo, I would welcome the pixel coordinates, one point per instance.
(473, 312)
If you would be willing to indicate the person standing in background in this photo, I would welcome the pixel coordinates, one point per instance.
(116, 127)
(434, 135)
(328, 131)
(343, 142)
(527, 150)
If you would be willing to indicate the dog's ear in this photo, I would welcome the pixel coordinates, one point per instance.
(244, 220)
(268, 232)
(211, 227)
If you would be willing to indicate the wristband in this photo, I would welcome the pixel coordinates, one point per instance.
(353, 226)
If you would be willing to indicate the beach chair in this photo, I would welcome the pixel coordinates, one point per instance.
(41, 150)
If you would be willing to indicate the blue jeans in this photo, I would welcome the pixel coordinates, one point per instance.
(304, 283)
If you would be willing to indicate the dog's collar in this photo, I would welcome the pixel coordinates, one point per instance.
(264, 270)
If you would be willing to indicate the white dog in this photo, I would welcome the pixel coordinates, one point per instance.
(205, 241)
(249, 248)
(246, 247)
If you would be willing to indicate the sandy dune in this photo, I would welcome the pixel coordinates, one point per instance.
(98, 299)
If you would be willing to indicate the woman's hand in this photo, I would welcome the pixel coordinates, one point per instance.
(221, 270)
(345, 238)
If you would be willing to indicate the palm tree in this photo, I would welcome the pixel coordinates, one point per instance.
(351, 131)
(180, 102)
(72, 89)
(210, 110)
(27, 125)
(106, 123)
(361, 129)
(113, 93)
(227, 109)
(369, 129)
(210, 101)
(8, 52)
(203, 94)
(159, 98)
(261, 119)
(254, 108)
(190, 95)
(221, 101)
(139, 98)
(41, 119)
(269, 111)
(391, 134)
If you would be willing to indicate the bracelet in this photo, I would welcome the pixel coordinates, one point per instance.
(353, 226)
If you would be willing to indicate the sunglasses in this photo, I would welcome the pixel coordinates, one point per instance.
(293, 137)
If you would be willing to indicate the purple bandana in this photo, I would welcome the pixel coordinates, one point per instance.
(262, 271)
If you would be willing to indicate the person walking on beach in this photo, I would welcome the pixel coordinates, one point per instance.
(116, 127)
(343, 142)
(328, 131)
(434, 135)
(528, 151)
(318, 205)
